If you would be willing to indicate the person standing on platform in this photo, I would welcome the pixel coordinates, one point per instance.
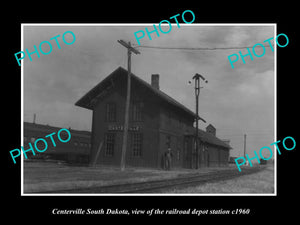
(168, 159)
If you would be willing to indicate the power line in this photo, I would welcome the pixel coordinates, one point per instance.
(195, 49)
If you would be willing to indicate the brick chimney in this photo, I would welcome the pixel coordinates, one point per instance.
(211, 129)
(155, 81)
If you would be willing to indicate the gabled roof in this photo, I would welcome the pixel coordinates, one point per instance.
(207, 137)
(87, 101)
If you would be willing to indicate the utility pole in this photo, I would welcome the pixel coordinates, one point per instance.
(197, 77)
(245, 136)
(34, 117)
(125, 134)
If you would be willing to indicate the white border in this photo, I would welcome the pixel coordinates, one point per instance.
(275, 111)
(22, 112)
(149, 24)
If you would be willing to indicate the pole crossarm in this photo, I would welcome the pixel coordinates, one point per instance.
(129, 47)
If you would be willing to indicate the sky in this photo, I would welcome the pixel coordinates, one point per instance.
(236, 101)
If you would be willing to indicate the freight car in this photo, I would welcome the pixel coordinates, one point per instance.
(77, 150)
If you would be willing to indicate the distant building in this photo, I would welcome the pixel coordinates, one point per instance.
(156, 122)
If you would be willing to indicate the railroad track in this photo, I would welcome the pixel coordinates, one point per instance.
(158, 186)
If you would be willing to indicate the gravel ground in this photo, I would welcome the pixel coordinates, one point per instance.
(43, 176)
(258, 183)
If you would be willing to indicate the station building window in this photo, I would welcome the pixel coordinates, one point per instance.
(109, 144)
(137, 111)
(111, 112)
(137, 143)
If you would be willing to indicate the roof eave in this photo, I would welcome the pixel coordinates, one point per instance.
(85, 101)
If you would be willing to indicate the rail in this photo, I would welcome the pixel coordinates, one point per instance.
(159, 186)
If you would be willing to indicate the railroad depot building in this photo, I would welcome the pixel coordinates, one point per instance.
(156, 122)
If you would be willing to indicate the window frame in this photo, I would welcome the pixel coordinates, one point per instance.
(111, 112)
(137, 111)
(112, 143)
(137, 144)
